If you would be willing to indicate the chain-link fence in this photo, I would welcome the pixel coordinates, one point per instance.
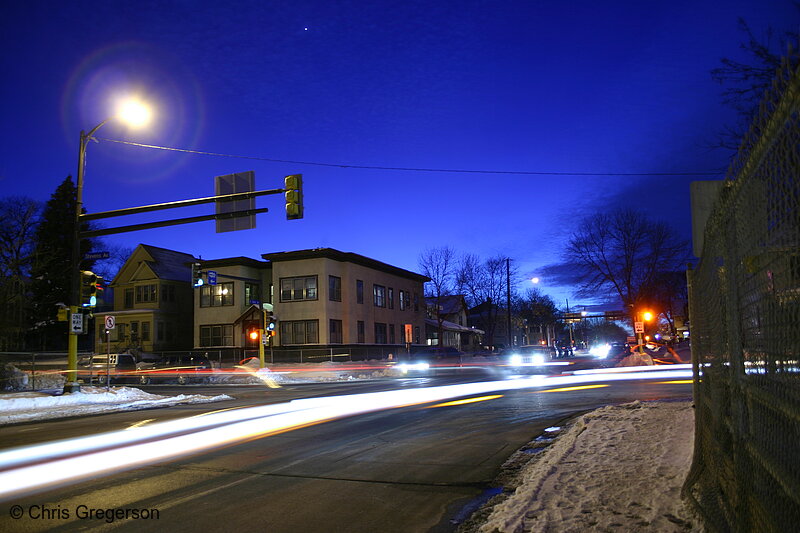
(745, 325)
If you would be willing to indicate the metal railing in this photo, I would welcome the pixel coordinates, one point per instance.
(744, 299)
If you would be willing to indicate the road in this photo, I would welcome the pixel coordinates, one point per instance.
(407, 469)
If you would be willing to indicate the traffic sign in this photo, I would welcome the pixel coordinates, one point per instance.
(97, 255)
(77, 323)
(111, 322)
(638, 327)
(212, 277)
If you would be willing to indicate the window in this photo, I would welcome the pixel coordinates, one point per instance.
(159, 331)
(297, 289)
(252, 293)
(334, 289)
(416, 302)
(405, 300)
(391, 333)
(146, 293)
(134, 332)
(379, 295)
(167, 293)
(145, 331)
(390, 298)
(360, 331)
(336, 331)
(359, 291)
(216, 335)
(380, 333)
(128, 298)
(416, 334)
(216, 295)
(299, 332)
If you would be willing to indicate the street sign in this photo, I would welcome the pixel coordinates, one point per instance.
(212, 277)
(97, 255)
(638, 327)
(231, 184)
(76, 326)
(264, 338)
(111, 322)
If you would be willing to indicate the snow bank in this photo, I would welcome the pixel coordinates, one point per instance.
(27, 406)
(617, 468)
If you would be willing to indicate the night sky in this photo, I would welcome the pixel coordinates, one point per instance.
(534, 87)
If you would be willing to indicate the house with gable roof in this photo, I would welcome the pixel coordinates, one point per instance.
(153, 303)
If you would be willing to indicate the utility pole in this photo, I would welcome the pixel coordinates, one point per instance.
(508, 301)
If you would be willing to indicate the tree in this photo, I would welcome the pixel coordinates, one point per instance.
(746, 82)
(538, 310)
(439, 265)
(483, 284)
(625, 253)
(52, 271)
(18, 219)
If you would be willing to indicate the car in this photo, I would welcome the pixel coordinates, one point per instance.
(181, 368)
(564, 349)
(107, 367)
(435, 352)
(528, 356)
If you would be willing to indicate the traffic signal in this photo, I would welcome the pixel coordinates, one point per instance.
(197, 275)
(294, 196)
(270, 325)
(253, 334)
(89, 281)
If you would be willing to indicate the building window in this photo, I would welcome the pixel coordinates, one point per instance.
(216, 295)
(391, 333)
(299, 332)
(252, 293)
(390, 298)
(134, 332)
(416, 302)
(334, 289)
(404, 298)
(298, 289)
(336, 331)
(416, 334)
(360, 331)
(145, 331)
(379, 295)
(167, 293)
(159, 331)
(146, 293)
(128, 298)
(217, 335)
(380, 333)
(359, 291)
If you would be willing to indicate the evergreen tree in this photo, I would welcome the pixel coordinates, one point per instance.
(52, 272)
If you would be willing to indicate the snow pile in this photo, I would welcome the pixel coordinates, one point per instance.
(27, 406)
(617, 468)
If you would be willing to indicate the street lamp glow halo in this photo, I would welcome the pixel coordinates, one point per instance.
(134, 112)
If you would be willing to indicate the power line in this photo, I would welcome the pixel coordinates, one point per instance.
(413, 169)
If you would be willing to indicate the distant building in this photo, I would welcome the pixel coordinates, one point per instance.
(152, 303)
(455, 331)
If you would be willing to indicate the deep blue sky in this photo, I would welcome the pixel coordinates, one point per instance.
(524, 86)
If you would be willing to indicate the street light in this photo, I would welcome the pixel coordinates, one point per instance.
(134, 113)
(646, 316)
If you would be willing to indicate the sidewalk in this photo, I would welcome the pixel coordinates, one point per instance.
(618, 468)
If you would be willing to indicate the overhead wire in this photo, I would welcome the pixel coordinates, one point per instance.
(410, 169)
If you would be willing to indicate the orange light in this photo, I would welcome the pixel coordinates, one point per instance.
(647, 337)
(254, 335)
(648, 316)
(542, 343)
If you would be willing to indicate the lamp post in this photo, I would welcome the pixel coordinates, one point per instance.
(645, 316)
(133, 113)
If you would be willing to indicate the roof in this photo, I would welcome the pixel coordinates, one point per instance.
(169, 264)
(450, 304)
(452, 326)
(344, 257)
(235, 261)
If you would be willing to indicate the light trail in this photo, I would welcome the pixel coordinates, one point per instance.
(466, 401)
(40, 467)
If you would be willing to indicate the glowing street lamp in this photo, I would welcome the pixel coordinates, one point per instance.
(134, 113)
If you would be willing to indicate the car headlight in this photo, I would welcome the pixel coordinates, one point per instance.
(515, 360)
(537, 359)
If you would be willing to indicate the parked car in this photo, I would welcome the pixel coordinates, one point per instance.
(564, 349)
(114, 367)
(180, 368)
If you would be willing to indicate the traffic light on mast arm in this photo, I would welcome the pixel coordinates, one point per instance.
(90, 283)
(197, 275)
(270, 325)
(294, 196)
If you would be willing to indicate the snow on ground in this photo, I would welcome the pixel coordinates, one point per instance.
(618, 468)
(28, 406)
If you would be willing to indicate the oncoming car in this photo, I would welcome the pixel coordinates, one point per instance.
(529, 356)
(180, 368)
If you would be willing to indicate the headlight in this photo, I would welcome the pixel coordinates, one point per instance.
(405, 367)
(537, 359)
(515, 360)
